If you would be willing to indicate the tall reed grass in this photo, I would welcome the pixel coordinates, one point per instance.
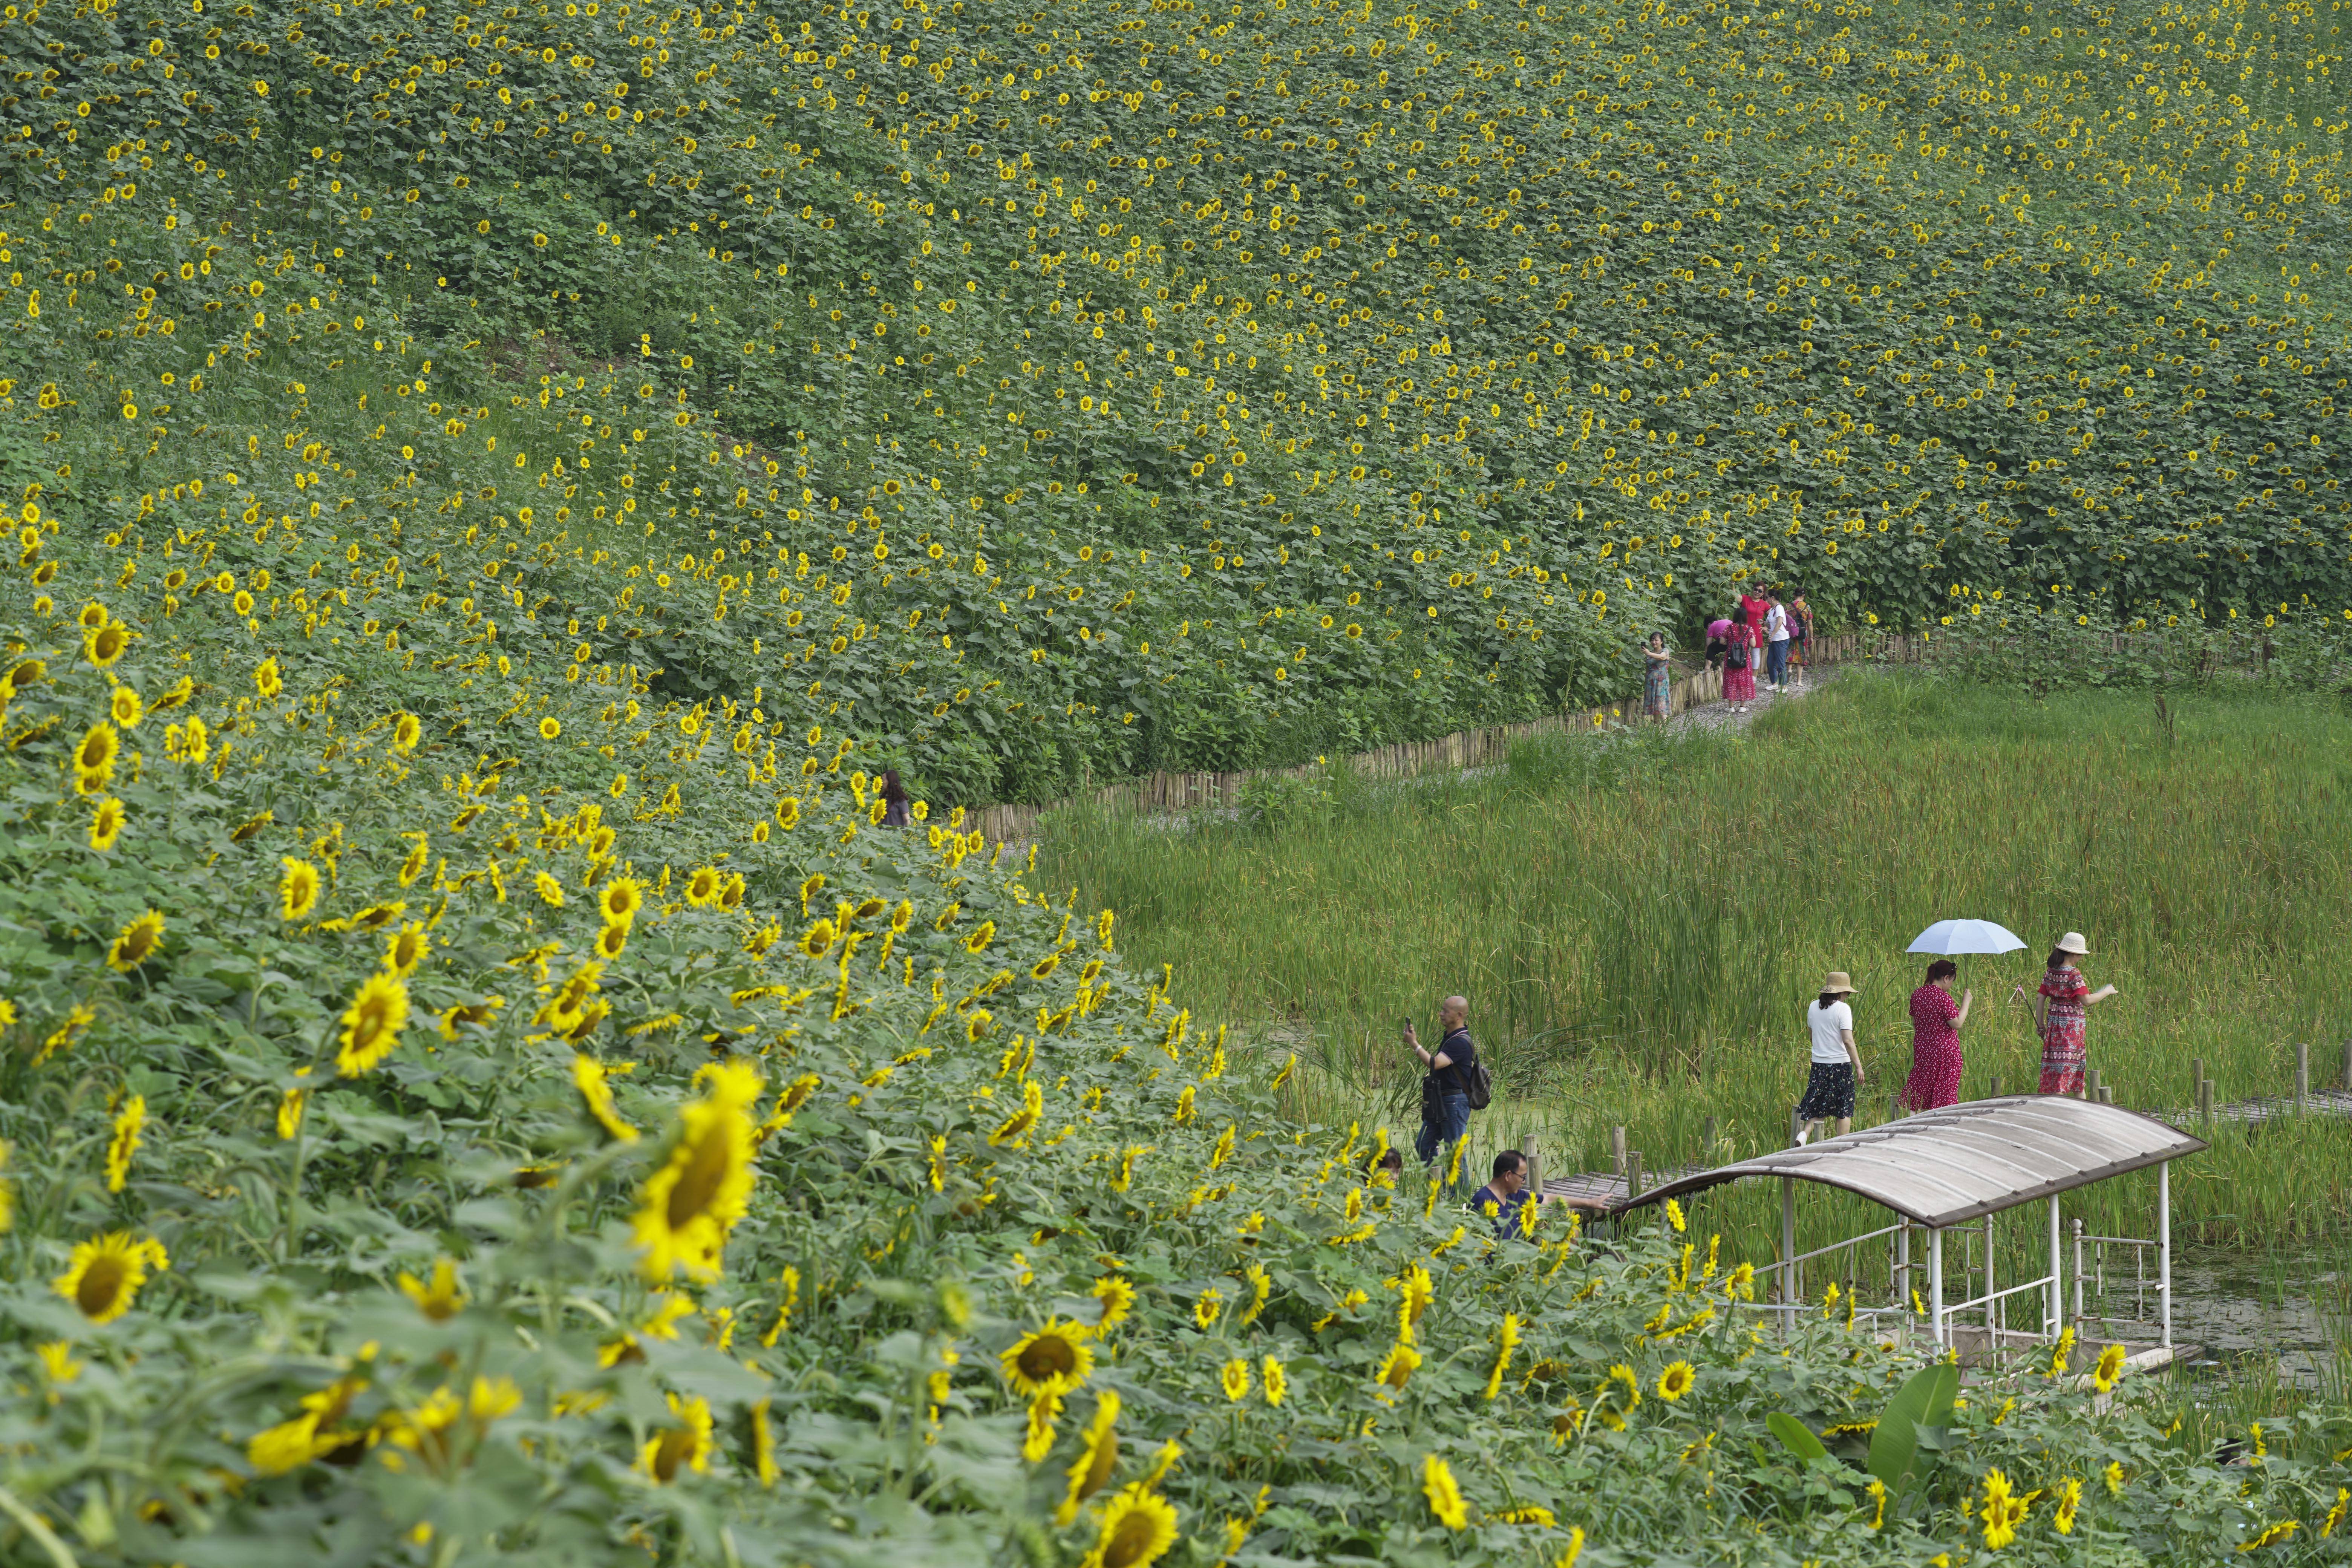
(1638, 921)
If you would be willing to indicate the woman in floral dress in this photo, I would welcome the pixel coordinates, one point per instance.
(1936, 1021)
(2060, 1013)
(1657, 686)
(1738, 663)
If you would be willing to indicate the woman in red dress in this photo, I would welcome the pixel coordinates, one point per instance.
(2060, 1013)
(1739, 663)
(1936, 1022)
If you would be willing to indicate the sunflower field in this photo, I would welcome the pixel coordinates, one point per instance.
(1169, 386)
(543, 462)
(443, 1142)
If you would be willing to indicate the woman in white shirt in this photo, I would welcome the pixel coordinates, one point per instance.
(1837, 1061)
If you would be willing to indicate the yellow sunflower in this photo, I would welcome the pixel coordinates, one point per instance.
(597, 1092)
(550, 728)
(685, 1446)
(550, 891)
(1677, 1380)
(407, 948)
(371, 1023)
(703, 888)
(1097, 1458)
(406, 731)
(620, 902)
(440, 1298)
(106, 825)
(1396, 1368)
(93, 758)
(137, 943)
(313, 1434)
(106, 1271)
(266, 678)
(130, 1123)
(103, 646)
(1445, 1497)
(298, 889)
(685, 1209)
(1137, 1529)
(609, 942)
(125, 706)
(1050, 1361)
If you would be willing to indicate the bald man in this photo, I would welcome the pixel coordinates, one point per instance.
(1445, 1088)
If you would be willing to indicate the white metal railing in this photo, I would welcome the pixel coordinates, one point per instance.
(2094, 1275)
(1977, 1255)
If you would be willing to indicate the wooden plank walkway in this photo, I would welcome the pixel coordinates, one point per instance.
(2266, 1108)
(1604, 1191)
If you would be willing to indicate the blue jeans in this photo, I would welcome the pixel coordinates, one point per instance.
(1445, 1122)
(1776, 662)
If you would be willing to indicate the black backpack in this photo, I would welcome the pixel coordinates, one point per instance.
(1481, 1093)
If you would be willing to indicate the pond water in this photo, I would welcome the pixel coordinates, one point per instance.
(2293, 1307)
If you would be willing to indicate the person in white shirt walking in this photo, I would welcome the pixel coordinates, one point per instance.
(1776, 635)
(1837, 1061)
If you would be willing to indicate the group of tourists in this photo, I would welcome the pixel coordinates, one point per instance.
(1763, 628)
(2061, 1005)
(1455, 1082)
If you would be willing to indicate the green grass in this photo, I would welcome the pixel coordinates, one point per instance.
(1640, 922)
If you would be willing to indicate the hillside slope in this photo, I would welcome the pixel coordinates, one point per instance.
(1222, 387)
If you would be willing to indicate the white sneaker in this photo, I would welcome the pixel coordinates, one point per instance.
(1803, 1134)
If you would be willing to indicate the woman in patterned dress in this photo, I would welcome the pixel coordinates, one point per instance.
(2060, 1013)
(1936, 1022)
(1657, 686)
(1738, 663)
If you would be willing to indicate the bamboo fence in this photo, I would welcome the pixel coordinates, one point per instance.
(1489, 747)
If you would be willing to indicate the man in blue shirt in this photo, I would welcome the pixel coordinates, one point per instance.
(1502, 1198)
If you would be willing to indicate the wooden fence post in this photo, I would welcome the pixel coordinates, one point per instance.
(2302, 1075)
(1633, 1175)
(1617, 1150)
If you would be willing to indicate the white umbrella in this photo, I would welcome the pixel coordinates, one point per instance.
(1949, 937)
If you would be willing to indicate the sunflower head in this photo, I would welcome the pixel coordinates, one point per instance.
(106, 1271)
(369, 1030)
(407, 948)
(1137, 1529)
(24, 676)
(125, 706)
(1050, 1361)
(268, 679)
(298, 889)
(92, 616)
(703, 888)
(137, 943)
(620, 902)
(406, 731)
(1677, 1380)
(94, 758)
(609, 942)
(106, 825)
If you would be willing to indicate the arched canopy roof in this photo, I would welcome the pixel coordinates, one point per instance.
(1945, 1168)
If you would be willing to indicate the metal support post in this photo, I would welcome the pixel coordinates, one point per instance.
(1936, 1287)
(2078, 1276)
(2164, 1247)
(1788, 1297)
(2057, 1303)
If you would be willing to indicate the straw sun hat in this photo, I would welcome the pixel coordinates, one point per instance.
(1839, 982)
(2072, 942)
